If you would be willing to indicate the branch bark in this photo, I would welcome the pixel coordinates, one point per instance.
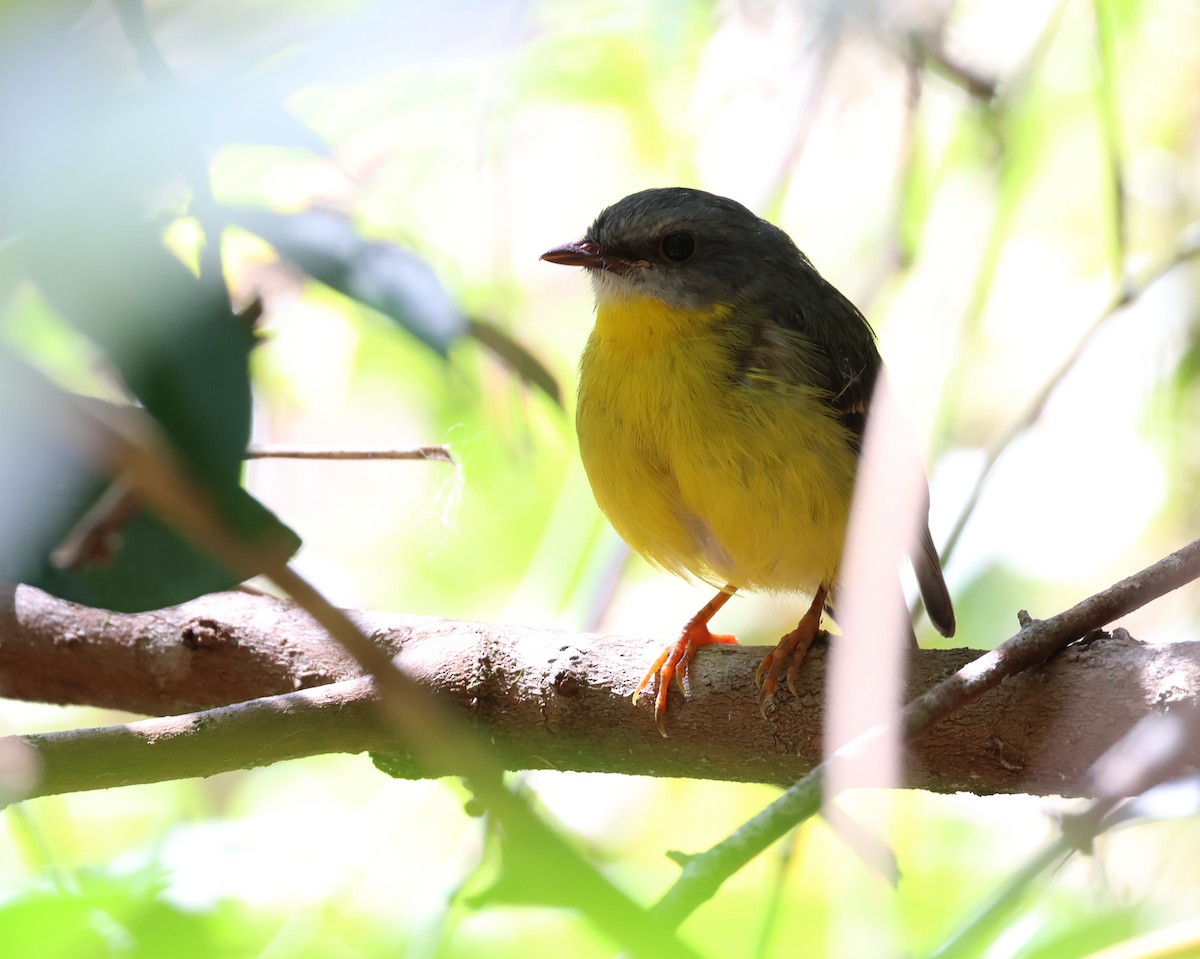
(269, 685)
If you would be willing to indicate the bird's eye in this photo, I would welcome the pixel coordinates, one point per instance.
(677, 246)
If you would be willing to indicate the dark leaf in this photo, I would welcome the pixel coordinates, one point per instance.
(47, 487)
(155, 566)
(384, 276)
(177, 344)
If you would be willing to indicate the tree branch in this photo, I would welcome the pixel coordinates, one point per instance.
(554, 700)
(1037, 641)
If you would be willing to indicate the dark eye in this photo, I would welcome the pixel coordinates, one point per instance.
(677, 246)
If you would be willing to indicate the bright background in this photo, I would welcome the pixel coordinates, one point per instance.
(980, 242)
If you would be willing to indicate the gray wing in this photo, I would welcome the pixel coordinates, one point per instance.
(852, 366)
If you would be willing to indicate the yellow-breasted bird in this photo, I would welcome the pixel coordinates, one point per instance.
(723, 395)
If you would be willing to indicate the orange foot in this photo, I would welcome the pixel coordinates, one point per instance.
(674, 661)
(788, 656)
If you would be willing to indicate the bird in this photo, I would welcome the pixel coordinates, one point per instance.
(722, 402)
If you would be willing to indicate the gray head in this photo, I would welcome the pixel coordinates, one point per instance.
(690, 249)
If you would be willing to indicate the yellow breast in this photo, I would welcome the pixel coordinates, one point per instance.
(703, 469)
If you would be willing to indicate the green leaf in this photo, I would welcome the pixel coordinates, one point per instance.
(47, 487)
(384, 276)
(106, 913)
(156, 566)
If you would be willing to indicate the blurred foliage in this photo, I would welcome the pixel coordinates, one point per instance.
(381, 178)
(87, 239)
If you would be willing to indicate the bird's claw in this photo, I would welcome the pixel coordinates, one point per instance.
(675, 663)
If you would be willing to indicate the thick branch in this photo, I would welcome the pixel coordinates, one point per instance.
(545, 699)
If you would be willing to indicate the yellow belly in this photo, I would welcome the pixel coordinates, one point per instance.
(702, 473)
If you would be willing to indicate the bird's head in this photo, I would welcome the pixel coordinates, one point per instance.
(691, 251)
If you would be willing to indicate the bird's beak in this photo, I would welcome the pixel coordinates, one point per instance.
(582, 253)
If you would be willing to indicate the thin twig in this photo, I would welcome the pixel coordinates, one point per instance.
(1189, 247)
(703, 874)
(440, 454)
(949, 67)
(97, 535)
(966, 942)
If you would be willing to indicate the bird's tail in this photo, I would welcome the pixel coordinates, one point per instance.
(928, 568)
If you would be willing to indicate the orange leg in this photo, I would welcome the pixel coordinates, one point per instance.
(675, 659)
(789, 654)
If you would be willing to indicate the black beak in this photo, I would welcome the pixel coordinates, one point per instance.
(583, 253)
